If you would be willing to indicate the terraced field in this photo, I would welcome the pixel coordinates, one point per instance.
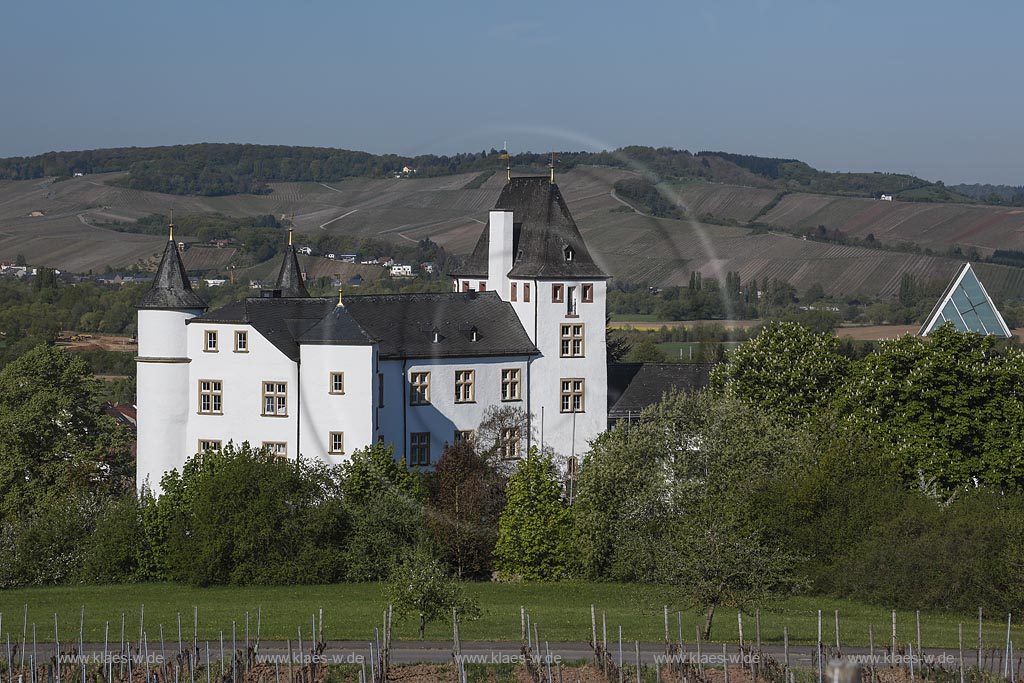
(938, 226)
(630, 246)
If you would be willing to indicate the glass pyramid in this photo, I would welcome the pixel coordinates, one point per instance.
(967, 305)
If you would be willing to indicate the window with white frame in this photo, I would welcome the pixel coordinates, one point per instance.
(209, 445)
(463, 435)
(210, 341)
(241, 341)
(572, 395)
(275, 399)
(419, 388)
(210, 397)
(511, 438)
(572, 340)
(510, 384)
(419, 448)
(337, 383)
(336, 443)
(278, 449)
(464, 392)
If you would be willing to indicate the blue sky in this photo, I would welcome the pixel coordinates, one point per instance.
(932, 88)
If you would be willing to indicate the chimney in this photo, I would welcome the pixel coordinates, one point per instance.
(499, 257)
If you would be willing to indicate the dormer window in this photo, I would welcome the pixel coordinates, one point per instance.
(569, 254)
(474, 334)
(435, 336)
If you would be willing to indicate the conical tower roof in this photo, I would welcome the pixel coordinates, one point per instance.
(289, 279)
(171, 289)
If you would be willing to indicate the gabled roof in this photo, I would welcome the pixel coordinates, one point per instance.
(634, 386)
(405, 324)
(543, 229)
(968, 306)
(289, 278)
(171, 288)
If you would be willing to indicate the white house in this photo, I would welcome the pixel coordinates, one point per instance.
(401, 270)
(318, 377)
(886, 198)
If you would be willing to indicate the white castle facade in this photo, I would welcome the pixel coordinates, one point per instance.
(312, 377)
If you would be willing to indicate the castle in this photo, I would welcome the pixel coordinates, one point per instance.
(320, 377)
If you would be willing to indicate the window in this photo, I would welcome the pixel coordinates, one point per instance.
(380, 389)
(275, 399)
(572, 340)
(510, 442)
(569, 254)
(510, 384)
(514, 286)
(483, 287)
(526, 292)
(209, 445)
(570, 302)
(419, 448)
(210, 395)
(419, 388)
(241, 342)
(278, 449)
(336, 443)
(588, 293)
(463, 435)
(211, 341)
(465, 285)
(572, 395)
(557, 294)
(464, 386)
(337, 383)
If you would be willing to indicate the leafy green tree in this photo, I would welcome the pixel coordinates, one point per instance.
(242, 516)
(944, 409)
(533, 531)
(672, 500)
(786, 370)
(53, 438)
(419, 585)
(647, 351)
(385, 502)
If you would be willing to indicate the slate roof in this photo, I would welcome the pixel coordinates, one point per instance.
(281, 320)
(289, 278)
(634, 386)
(171, 288)
(404, 324)
(542, 230)
(401, 324)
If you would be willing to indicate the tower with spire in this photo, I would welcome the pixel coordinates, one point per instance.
(163, 366)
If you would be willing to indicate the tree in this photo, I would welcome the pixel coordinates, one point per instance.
(944, 409)
(419, 585)
(647, 351)
(492, 435)
(466, 498)
(53, 438)
(786, 370)
(533, 531)
(672, 500)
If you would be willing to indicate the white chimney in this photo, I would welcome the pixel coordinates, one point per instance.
(499, 256)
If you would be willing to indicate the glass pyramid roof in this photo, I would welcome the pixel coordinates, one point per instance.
(967, 305)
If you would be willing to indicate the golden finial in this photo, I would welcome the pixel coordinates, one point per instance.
(551, 165)
(291, 228)
(340, 303)
(170, 226)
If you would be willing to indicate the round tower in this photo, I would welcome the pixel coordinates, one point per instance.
(162, 376)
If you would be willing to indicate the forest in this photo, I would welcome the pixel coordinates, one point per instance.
(213, 169)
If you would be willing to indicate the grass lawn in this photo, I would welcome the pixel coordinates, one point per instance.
(683, 350)
(635, 318)
(561, 610)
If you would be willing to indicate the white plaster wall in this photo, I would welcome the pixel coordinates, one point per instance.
(499, 257)
(443, 416)
(323, 412)
(242, 376)
(559, 432)
(162, 371)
